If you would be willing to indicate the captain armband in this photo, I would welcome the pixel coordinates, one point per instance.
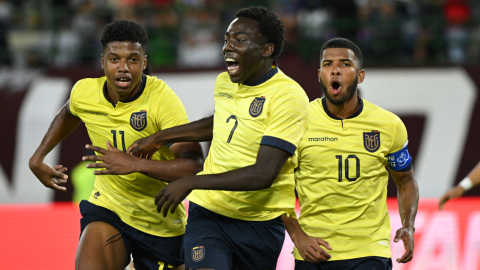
(400, 161)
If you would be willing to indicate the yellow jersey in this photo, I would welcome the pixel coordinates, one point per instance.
(272, 111)
(155, 107)
(342, 180)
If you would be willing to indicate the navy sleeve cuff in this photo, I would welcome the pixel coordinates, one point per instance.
(406, 169)
(169, 144)
(279, 143)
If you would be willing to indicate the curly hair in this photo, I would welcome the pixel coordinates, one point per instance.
(124, 30)
(268, 24)
(343, 43)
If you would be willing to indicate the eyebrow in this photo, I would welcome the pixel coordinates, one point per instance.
(342, 60)
(134, 53)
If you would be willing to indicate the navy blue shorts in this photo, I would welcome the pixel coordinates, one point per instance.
(147, 250)
(219, 242)
(364, 263)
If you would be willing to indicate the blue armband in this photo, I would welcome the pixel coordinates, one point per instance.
(400, 161)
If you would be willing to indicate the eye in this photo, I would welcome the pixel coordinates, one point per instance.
(326, 64)
(239, 40)
(346, 64)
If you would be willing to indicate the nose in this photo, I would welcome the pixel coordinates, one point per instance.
(228, 46)
(336, 70)
(123, 66)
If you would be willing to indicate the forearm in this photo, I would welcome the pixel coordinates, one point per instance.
(244, 179)
(198, 131)
(170, 170)
(293, 227)
(408, 197)
(474, 175)
(62, 125)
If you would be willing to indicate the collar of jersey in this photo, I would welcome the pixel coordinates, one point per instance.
(139, 93)
(265, 77)
(359, 111)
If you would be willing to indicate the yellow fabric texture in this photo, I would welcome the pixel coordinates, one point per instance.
(276, 109)
(131, 196)
(351, 214)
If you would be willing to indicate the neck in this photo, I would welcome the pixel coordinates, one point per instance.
(264, 68)
(344, 110)
(115, 97)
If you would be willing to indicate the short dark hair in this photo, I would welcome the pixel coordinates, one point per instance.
(124, 30)
(268, 24)
(343, 43)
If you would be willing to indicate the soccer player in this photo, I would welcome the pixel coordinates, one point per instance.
(247, 183)
(472, 179)
(119, 218)
(341, 177)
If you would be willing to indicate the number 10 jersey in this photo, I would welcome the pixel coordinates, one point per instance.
(342, 180)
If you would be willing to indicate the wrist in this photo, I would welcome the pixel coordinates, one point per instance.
(466, 183)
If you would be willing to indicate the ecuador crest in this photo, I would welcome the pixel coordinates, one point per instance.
(256, 107)
(371, 140)
(138, 120)
(198, 253)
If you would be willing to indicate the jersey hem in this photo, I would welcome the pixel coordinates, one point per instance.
(105, 205)
(230, 214)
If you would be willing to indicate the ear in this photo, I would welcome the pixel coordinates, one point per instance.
(361, 76)
(145, 62)
(103, 61)
(268, 49)
(319, 72)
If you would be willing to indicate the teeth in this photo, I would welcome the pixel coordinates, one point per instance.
(230, 60)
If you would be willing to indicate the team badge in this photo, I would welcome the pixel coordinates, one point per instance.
(138, 120)
(371, 140)
(256, 107)
(198, 253)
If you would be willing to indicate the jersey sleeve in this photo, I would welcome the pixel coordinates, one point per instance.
(171, 111)
(288, 120)
(73, 94)
(399, 158)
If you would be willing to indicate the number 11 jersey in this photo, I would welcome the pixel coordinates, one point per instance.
(155, 107)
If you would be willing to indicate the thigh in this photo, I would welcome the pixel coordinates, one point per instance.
(257, 244)
(101, 247)
(205, 245)
(155, 252)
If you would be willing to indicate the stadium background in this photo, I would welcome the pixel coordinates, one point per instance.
(422, 61)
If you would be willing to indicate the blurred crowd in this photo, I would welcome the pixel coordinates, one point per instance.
(189, 33)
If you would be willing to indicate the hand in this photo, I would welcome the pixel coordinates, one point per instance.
(145, 147)
(115, 161)
(455, 192)
(51, 177)
(406, 235)
(173, 194)
(310, 250)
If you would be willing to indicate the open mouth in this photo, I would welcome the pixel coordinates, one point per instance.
(335, 87)
(232, 65)
(123, 82)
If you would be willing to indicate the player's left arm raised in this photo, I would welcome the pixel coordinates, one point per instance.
(407, 195)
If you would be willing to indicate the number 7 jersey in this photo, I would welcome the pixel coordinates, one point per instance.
(155, 107)
(342, 180)
(274, 112)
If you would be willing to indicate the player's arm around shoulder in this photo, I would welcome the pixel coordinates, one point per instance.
(62, 125)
